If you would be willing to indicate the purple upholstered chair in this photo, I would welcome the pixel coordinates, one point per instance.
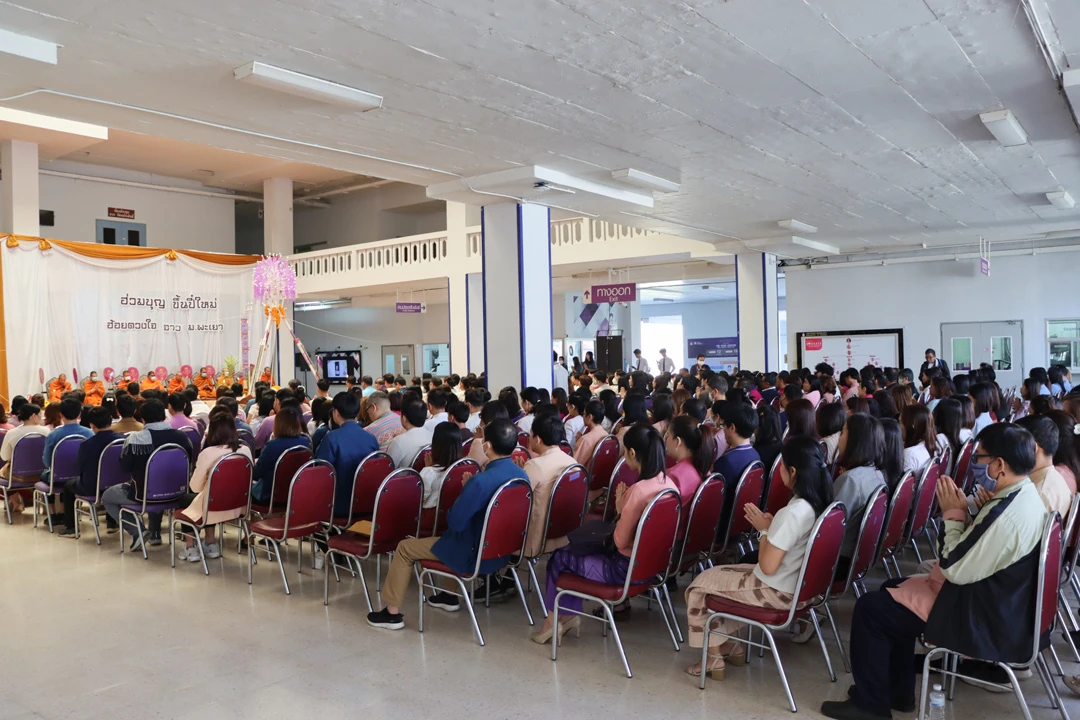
(195, 437)
(64, 467)
(26, 468)
(109, 473)
(166, 482)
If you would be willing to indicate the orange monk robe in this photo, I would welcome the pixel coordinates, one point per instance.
(205, 385)
(226, 380)
(149, 384)
(57, 390)
(176, 384)
(266, 378)
(95, 390)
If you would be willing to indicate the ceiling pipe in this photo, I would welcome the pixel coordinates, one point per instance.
(151, 186)
(344, 190)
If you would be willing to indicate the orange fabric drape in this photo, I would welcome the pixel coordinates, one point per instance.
(123, 252)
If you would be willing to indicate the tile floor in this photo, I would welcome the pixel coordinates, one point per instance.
(90, 634)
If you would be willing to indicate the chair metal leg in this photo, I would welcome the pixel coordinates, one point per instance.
(472, 614)
(618, 640)
(251, 557)
(423, 598)
(555, 627)
(172, 546)
(363, 583)
(521, 594)
(915, 547)
(1057, 662)
(839, 642)
(674, 617)
(1065, 634)
(7, 506)
(326, 576)
(281, 565)
(1057, 695)
(954, 662)
(667, 620)
(1064, 605)
(824, 647)
(930, 541)
(885, 564)
(926, 678)
(1016, 689)
(300, 556)
(1047, 680)
(780, 666)
(539, 590)
(199, 545)
(705, 649)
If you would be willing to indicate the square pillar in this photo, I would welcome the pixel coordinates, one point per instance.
(21, 206)
(517, 295)
(758, 312)
(474, 299)
(456, 237)
(278, 240)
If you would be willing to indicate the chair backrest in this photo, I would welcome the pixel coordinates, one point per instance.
(288, 463)
(621, 475)
(466, 446)
(247, 438)
(618, 424)
(195, 438)
(602, 464)
(822, 554)
(944, 460)
(506, 522)
(1046, 590)
(396, 512)
(654, 542)
(65, 462)
(109, 471)
(703, 521)
(367, 480)
(963, 475)
(167, 473)
(1070, 546)
(228, 487)
(523, 438)
(453, 482)
(924, 499)
(26, 457)
(311, 496)
(520, 456)
(870, 534)
(420, 460)
(747, 492)
(202, 420)
(307, 417)
(568, 502)
(565, 447)
(776, 494)
(896, 519)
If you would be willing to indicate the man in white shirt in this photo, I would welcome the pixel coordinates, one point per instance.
(560, 375)
(475, 400)
(436, 405)
(665, 364)
(404, 447)
(640, 363)
(575, 424)
(198, 407)
(367, 385)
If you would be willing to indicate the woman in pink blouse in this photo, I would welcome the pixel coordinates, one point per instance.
(693, 448)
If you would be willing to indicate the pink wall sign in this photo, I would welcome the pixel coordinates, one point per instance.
(108, 373)
(185, 371)
(133, 372)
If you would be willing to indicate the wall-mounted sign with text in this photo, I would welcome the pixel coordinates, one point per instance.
(410, 307)
(620, 292)
(122, 213)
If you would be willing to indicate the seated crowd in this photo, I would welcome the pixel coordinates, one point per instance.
(830, 439)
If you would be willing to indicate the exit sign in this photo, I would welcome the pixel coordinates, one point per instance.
(122, 213)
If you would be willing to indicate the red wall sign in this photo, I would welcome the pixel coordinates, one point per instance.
(123, 213)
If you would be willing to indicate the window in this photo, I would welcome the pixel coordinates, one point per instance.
(961, 354)
(1063, 343)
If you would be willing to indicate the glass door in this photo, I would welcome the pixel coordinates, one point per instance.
(398, 359)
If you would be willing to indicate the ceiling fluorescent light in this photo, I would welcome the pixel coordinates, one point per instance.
(27, 47)
(796, 226)
(1061, 200)
(645, 180)
(313, 88)
(1004, 126)
(815, 245)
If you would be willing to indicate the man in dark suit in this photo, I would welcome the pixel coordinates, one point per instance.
(932, 360)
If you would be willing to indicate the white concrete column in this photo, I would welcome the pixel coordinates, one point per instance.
(758, 312)
(456, 237)
(632, 334)
(474, 298)
(278, 216)
(517, 296)
(21, 207)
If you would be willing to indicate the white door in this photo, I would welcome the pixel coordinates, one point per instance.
(1000, 344)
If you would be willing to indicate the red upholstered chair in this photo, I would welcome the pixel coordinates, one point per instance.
(367, 480)
(433, 520)
(602, 465)
(1068, 569)
(523, 438)
(776, 494)
(466, 447)
(696, 535)
(866, 549)
(227, 488)
(310, 504)
(565, 512)
(896, 522)
(1046, 586)
(506, 525)
(420, 460)
(815, 581)
(284, 469)
(395, 516)
(621, 475)
(565, 447)
(650, 558)
(945, 460)
(964, 478)
(520, 456)
(925, 499)
(747, 492)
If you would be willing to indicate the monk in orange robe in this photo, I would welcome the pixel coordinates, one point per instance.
(266, 377)
(151, 382)
(176, 384)
(204, 383)
(58, 387)
(94, 389)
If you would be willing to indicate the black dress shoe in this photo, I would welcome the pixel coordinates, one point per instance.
(905, 706)
(847, 710)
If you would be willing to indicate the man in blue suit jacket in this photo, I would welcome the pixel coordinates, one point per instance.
(345, 448)
(458, 546)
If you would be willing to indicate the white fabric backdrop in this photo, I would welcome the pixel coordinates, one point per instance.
(57, 306)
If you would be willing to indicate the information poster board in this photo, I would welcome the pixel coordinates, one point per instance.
(851, 348)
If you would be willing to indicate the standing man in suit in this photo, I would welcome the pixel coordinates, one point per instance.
(665, 364)
(932, 361)
(640, 363)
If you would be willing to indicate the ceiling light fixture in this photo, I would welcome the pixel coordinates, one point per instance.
(796, 226)
(546, 186)
(1004, 126)
(1061, 200)
(815, 245)
(306, 86)
(645, 180)
(27, 47)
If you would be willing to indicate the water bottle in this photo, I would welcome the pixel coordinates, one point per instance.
(937, 704)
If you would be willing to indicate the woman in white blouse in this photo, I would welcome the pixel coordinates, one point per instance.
(772, 582)
(920, 437)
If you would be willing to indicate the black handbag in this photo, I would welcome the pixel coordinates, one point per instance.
(595, 537)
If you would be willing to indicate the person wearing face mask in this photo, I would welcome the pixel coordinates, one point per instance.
(151, 382)
(204, 383)
(94, 389)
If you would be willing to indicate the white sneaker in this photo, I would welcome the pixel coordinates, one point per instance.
(192, 554)
(213, 551)
(805, 635)
(319, 560)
